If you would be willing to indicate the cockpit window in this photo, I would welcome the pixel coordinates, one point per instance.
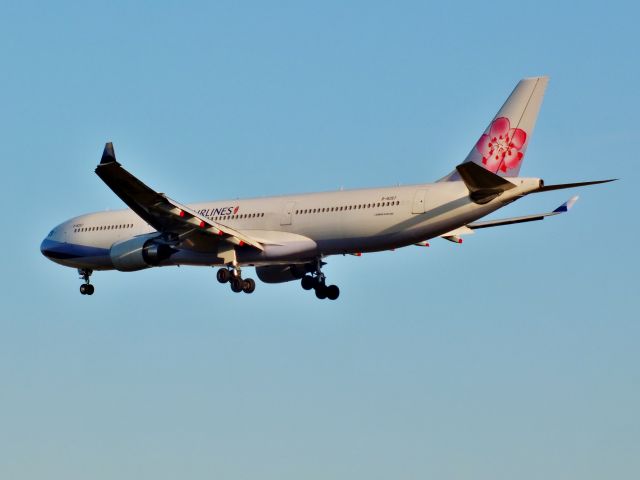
(51, 233)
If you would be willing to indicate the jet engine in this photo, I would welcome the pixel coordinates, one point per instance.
(281, 273)
(139, 253)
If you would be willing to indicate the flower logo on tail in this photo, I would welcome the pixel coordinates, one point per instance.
(500, 148)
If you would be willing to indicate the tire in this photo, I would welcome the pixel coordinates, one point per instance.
(223, 275)
(236, 284)
(83, 289)
(333, 292)
(321, 292)
(90, 289)
(307, 282)
(249, 285)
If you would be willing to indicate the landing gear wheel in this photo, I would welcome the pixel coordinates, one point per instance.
(223, 275)
(86, 288)
(307, 282)
(236, 284)
(333, 292)
(249, 285)
(321, 291)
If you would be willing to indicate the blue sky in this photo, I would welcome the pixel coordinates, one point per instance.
(514, 355)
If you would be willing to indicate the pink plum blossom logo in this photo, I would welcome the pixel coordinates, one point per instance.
(500, 148)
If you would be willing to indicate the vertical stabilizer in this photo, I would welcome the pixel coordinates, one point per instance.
(502, 146)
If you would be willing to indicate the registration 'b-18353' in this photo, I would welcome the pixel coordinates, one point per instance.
(287, 238)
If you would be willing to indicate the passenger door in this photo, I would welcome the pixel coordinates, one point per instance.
(419, 202)
(287, 213)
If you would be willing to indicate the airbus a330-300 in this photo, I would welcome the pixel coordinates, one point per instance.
(287, 238)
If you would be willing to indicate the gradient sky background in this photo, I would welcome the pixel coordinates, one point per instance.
(515, 355)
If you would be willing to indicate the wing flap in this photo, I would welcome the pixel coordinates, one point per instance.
(193, 218)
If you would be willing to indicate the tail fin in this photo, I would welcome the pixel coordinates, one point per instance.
(502, 146)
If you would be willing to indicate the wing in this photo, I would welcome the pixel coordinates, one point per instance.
(455, 235)
(565, 207)
(161, 212)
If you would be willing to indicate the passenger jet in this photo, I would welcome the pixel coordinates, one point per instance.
(287, 238)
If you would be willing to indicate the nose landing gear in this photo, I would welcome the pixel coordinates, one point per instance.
(86, 288)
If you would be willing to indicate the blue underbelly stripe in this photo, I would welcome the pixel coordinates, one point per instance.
(63, 250)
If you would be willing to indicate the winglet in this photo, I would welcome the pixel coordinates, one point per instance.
(108, 155)
(566, 206)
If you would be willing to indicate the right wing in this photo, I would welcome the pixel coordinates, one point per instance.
(565, 207)
(455, 235)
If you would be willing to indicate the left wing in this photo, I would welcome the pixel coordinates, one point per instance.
(158, 210)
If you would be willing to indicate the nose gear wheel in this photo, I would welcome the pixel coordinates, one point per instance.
(86, 288)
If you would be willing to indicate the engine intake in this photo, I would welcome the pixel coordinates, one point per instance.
(139, 253)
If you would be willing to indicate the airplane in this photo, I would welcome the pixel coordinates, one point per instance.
(287, 238)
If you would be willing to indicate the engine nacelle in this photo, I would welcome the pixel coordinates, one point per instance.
(281, 273)
(139, 253)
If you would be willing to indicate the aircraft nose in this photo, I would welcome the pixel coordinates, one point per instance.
(46, 248)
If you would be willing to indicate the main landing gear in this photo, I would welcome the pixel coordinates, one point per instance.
(238, 284)
(317, 281)
(86, 288)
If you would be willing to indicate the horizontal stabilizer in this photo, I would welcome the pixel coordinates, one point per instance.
(565, 207)
(483, 185)
(560, 186)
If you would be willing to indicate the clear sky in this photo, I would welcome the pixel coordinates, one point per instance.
(514, 355)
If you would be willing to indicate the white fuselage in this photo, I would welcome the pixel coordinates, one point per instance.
(295, 228)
